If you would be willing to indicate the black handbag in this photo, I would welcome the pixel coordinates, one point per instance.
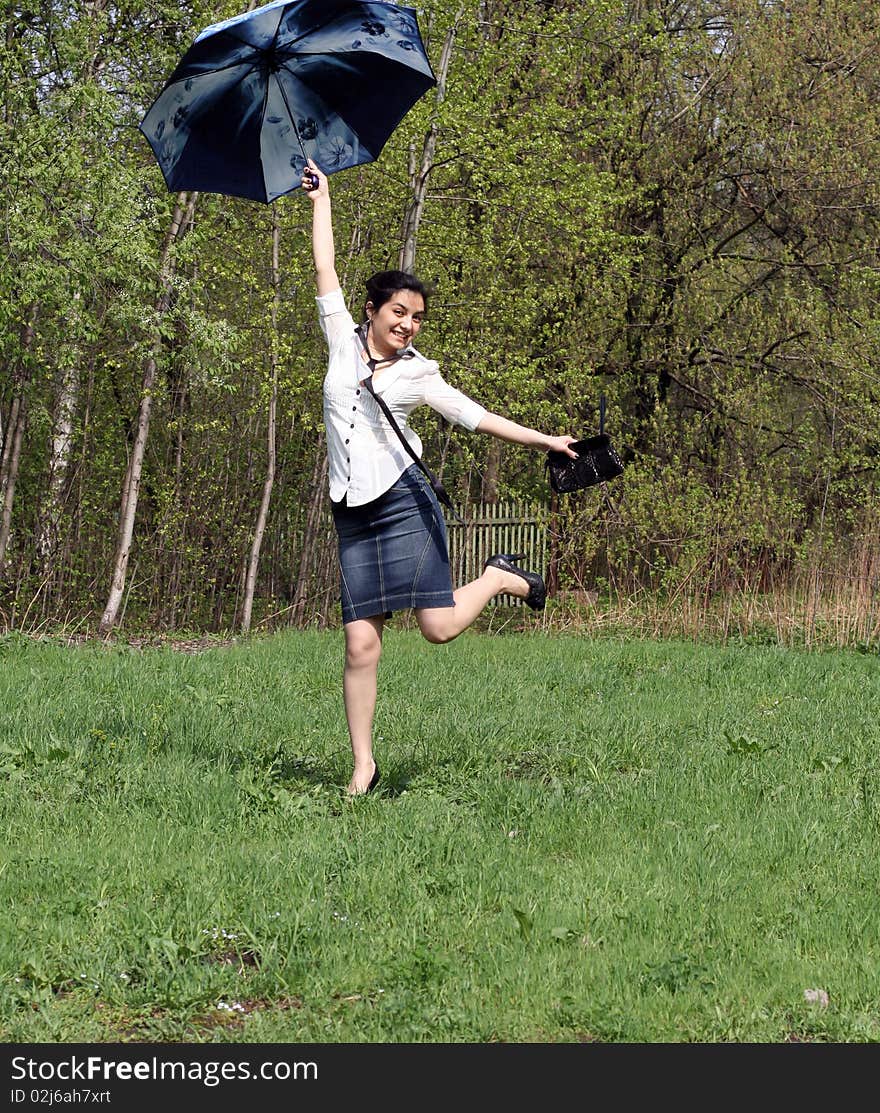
(597, 461)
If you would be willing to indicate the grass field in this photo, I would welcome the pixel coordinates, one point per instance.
(576, 840)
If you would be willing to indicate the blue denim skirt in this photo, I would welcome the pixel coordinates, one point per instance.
(393, 552)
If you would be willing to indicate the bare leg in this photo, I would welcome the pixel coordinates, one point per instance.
(363, 647)
(442, 624)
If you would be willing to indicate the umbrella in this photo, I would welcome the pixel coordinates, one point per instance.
(256, 95)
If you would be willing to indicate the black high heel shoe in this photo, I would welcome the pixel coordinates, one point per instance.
(537, 595)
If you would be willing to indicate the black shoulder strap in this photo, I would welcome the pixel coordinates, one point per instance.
(438, 488)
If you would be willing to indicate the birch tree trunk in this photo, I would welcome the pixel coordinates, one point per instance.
(269, 481)
(61, 440)
(183, 213)
(6, 436)
(14, 457)
(419, 175)
(11, 458)
(60, 443)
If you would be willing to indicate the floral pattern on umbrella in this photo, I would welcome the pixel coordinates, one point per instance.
(257, 95)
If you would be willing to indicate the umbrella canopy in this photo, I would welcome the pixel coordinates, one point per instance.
(257, 94)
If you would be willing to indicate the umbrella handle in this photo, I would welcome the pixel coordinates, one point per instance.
(310, 180)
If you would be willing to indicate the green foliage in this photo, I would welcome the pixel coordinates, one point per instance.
(680, 214)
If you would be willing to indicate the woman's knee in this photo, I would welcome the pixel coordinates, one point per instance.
(434, 631)
(363, 646)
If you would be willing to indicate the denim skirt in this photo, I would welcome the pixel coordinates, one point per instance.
(393, 552)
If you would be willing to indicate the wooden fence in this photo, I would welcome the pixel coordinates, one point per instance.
(497, 527)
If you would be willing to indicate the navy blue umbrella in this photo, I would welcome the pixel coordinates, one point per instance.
(257, 94)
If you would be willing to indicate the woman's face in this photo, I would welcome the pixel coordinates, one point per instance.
(397, 322)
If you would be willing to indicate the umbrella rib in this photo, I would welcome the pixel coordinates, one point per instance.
(237, 38)
(218, 69)
(403, 63)
(261, 49)
(305, 34)
(274, 41)
(325, 53)
(290, 115)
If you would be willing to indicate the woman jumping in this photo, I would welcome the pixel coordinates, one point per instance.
(392, 537)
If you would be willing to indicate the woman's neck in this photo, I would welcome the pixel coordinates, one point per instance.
(375, 352)
(382, 358)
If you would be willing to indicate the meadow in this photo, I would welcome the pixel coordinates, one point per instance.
(577, 839)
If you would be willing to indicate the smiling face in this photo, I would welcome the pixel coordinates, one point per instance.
(397, 321)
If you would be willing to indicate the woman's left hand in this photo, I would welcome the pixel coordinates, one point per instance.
(560, 444)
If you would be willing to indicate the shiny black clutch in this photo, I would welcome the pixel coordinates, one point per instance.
(597, 462)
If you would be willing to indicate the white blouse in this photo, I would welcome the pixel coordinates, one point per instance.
(364, 454)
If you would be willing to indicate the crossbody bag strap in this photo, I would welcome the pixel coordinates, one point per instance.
(437, 487)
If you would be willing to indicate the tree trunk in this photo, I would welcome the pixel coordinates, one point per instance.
(553, 535)
(310, 538)
(268, 482)
(419, 177)
(489, 485)
(11, 459)
(7, 435)
(11, 478)
(60, 444)
(181, 501)
(131, 486)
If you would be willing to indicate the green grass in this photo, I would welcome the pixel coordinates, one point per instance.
(576, 840)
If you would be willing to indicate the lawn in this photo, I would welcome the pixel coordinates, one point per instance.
(576, 839)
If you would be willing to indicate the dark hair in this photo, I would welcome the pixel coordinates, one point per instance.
(382, 286)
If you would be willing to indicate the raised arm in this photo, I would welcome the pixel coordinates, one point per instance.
(322, 230)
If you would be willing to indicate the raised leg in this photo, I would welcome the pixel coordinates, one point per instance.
(442, 624)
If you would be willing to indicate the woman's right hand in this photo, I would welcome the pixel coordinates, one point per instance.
(314, 182)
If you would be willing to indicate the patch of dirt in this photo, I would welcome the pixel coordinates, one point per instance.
(233, 958)
(234, 1013)
(195, 643)
(160, 1025)
(182, 645)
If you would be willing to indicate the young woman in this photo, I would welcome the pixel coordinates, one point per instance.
(392, 537)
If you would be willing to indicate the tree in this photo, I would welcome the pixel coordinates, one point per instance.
(269, 481)
(671, 202)
(181, 218)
